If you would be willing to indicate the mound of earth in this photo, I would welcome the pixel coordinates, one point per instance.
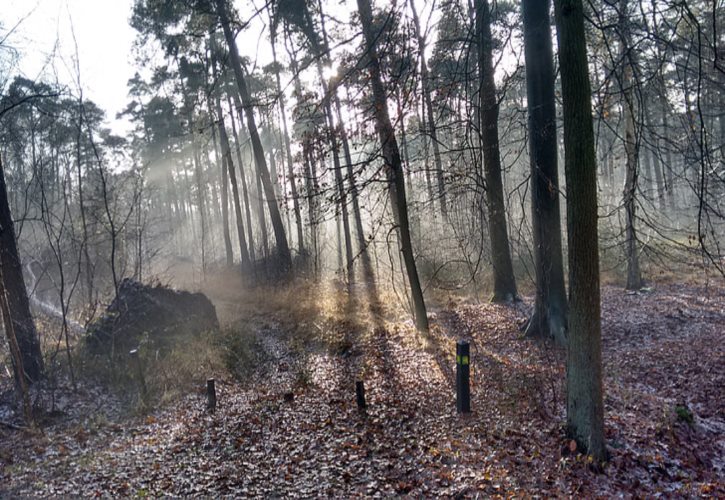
(158, 312)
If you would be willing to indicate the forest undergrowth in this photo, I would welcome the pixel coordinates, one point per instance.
(288, 423)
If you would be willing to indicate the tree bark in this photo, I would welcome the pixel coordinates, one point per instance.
(549, 318)
(242, 175)
(393, 167)
(285, 258)
(16, 293)
(504, 282)
(585, 407)
(631, 148)
(428, 102)
(288, 154)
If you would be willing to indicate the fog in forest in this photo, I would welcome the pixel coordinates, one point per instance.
(318, 188)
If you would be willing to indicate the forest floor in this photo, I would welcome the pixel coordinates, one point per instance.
(292, 428)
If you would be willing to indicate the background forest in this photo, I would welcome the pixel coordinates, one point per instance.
(411, 155)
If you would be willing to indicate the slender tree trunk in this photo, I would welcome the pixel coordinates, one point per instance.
(288, 154)
(243, 177)
(585, 407)
(82, 209)
(198, 178)
(337, 167)
(631, 148)
(428, 102)
(357, 217)
(393, 167)
(311, 188)
(504, 282)
(220, 159)
(285, 258)
(549, 318)
(17, 295)
(655, 160)
(261, 218)
(229, 164)
(426, 159)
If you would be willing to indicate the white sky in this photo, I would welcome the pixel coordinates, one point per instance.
(46, 50)
(104, 45)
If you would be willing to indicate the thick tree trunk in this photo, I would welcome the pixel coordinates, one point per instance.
(393, 167)
(285, 258)
(585, 407)
(16, 293)
(504, 282)
(549, 318)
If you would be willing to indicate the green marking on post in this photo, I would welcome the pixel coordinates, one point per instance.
(464, 360)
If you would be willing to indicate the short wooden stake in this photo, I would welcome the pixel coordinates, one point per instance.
(210, 395)
(463, 388)
(360, 393)
(139, 374)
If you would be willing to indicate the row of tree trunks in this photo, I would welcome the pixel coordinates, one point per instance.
(283, 251)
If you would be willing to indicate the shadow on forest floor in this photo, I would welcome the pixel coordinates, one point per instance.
(663, 355)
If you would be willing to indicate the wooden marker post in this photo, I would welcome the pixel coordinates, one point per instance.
(210, 395)
(360, 393)
(463, 387)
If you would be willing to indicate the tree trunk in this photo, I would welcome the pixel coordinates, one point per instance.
(198, 178)
(337, 167)
(285, 258)
(242, 176)
(631, 148)
(585, 407)
(359, 231)
(342, 134)
(229, 164)
(220, 159)
(655, 159)
(288, 154)
(549, 318)
(16, 293)
(261, 218)
(427, 101)
(393, 167)
(504, 282)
